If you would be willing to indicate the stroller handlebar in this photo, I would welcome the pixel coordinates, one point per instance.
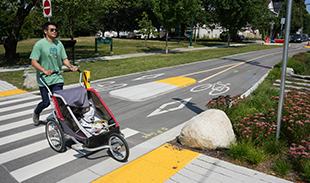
(56, 72)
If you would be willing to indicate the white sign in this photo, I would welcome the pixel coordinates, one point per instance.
(47, 8)
(282, 20)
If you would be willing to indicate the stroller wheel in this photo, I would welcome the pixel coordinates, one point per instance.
(55, 135)
(119, 148)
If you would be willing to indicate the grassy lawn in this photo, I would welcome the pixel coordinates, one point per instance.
(110, 68)
(85, 48)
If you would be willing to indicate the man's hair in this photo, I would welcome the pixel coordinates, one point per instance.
(46, 24)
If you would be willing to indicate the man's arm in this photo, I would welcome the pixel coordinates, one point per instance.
(36, 65)
(67, 63)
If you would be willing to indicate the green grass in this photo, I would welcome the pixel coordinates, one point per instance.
(282, 166)
(110, 68)
(85, 48)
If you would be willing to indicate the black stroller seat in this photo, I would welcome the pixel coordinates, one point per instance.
(76, 98)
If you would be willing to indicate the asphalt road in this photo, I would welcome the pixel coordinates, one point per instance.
(26, 157)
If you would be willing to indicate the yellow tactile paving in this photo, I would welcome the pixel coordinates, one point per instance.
(178, 81)
(11, 92)
(156, 166)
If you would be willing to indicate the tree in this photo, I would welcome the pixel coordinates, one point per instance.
(261, 18)
(235, 15)
(21, 10)
(170, 13)
(119, 16)
(146, 26)
(299, 16)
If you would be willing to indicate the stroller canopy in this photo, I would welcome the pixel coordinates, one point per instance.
(75, 97)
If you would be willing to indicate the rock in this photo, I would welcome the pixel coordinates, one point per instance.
(31, 81)
(289, 70)
(211, 129)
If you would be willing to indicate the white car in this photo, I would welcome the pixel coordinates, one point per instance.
(110, 34)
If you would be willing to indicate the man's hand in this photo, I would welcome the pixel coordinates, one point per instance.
(73, 69)
(48, 72)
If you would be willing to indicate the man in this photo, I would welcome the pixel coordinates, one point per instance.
(47, 56)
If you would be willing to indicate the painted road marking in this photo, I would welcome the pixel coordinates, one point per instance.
(11, 92)
(238, 64)
(178, 81)
(57, 160)
(161, 110)
(150, 90)
(155, 166)
(143, 92)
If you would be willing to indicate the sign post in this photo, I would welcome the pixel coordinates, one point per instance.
(47, 8)
(282, 22)
(271, 28)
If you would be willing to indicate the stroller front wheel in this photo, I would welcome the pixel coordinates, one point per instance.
(119, 148)
(55, 135)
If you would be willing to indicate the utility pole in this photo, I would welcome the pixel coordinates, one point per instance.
(284, 63)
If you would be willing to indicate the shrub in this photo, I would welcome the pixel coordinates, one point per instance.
(240, 150)
(273, 146)
(295, 122)
(306, 170)
(256, 156)
(223, 102)
(282, 166)
(255, 126)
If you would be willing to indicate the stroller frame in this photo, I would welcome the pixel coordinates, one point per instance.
(65, 123)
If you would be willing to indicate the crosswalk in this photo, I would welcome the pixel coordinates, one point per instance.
(24, 150)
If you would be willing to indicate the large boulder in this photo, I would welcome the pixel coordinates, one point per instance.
(211, 129)
(30, 81)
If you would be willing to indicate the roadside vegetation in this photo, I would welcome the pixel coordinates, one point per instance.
(254, 120)
(85, 48)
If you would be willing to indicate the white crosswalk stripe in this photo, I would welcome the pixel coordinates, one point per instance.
(33, 169)
(28, 104)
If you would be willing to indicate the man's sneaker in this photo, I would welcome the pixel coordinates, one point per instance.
(35, 118)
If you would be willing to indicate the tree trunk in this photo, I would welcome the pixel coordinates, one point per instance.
(166, 41)
(11, 42)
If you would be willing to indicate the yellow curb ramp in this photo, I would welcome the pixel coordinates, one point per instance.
(11, 92)
(178, 81)
(155, 166)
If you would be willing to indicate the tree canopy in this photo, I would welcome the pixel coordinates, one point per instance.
(23, 19)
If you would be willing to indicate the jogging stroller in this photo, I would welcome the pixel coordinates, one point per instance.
(81, 115)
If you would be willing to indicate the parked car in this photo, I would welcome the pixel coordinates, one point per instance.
(297, 38)
(110, 34)
(305, 37)
(224, 36)
(124, 34)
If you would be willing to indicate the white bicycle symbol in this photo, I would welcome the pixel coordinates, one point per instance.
(109, 85)
(152, 76)
(216, 88)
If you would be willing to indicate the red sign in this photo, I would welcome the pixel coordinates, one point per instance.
(47, 8)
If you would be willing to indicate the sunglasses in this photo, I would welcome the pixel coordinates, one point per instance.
(52, 30)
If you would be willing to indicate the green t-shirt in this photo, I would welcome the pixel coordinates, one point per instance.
(50, 56)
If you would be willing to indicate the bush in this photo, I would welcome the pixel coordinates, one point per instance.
(282, 166)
